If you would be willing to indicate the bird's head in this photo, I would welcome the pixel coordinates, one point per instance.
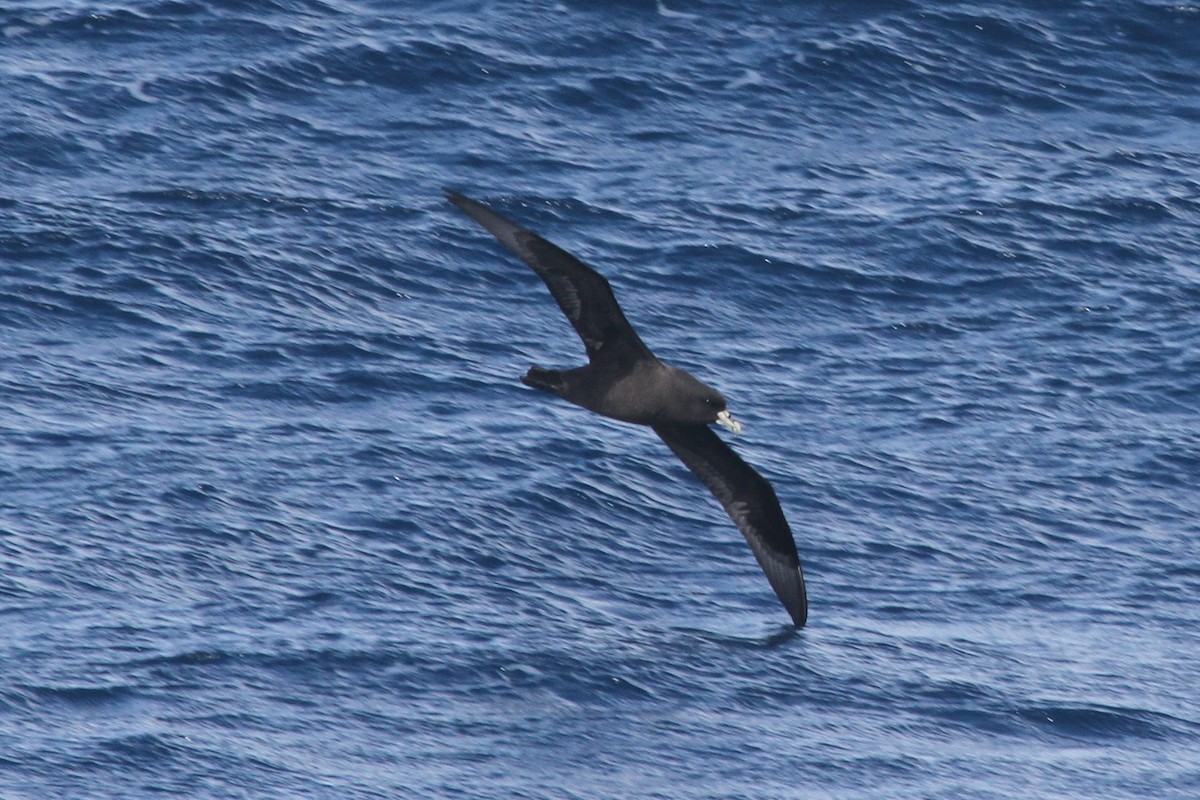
(700, 404)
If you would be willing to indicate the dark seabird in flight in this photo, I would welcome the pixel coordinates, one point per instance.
(625, 381)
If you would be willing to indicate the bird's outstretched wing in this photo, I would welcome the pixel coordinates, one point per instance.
(583, 294)
(751, 503)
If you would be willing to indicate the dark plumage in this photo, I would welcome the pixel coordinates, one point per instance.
(624, 380)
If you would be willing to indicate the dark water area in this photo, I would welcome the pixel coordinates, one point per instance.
(277, 518)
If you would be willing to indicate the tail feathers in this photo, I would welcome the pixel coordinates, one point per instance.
(548, 380)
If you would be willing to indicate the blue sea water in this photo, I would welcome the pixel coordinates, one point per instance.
(277, 519)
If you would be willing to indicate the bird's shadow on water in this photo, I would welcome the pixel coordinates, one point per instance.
(775, 638)
(780, 637)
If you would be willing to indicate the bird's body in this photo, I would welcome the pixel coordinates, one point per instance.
(625, 381)
(640, 393)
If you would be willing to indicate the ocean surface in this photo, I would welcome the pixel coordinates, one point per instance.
(278, 519)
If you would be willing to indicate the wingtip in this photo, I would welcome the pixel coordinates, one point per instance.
(796, 601)
(471, 207)
(799, 614)
(788, 582)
